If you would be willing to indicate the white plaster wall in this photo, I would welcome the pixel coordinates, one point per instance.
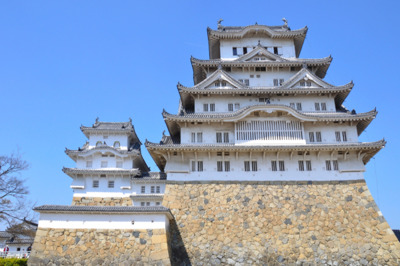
(103, 221)
(97, 158)
(266, 78)
(123, 139)
(13, 248)
(286, 45)
(264, 173)
(209, 132)
(221, 102)
(328, 131)
(136, 188)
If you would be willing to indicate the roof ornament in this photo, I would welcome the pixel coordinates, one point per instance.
(163, 133)
(259, 43)
(130, 119)
(285, 21)
(219, 66)
(96, 123)
(256, 23)
(219, 23)
(304, 65)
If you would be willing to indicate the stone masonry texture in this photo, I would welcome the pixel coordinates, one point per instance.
(278, 223)
(97, 201)
(99, 247)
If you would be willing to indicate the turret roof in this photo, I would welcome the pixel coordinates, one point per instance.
(110, 127)
(72, 172)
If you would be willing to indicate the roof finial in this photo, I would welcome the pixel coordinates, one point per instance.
(97, 120)
(130, 120)
(256, 23)
(259, 43)
(219, 23)
(219, 66)
(285, 20)
(163, 133)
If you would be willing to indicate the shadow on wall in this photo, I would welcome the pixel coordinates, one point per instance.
(178, 254)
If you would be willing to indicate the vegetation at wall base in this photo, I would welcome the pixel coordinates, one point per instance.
(13, 262)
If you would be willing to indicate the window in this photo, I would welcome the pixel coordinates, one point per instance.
(298, 106)
(143, 189)
(222, 137)
(237, 106)
(264, 100)
(344, 136)
(111, 184)
(230, 107)
(158, 203)
(281, 166)
(341, 136)
(337, 135)
(152, 189)
(119, 164)
(323, 106)
(89, 164)
(254, 166)
(142, 204)
(258, 69)
(318, 136)
(317, 107)
(105, 137)
(197, 166)
(293, 105)
(328, 165)
(273, 166)
(335, 165)
(223, 166)
(98, 143)
(219, 166)
(301, 165)
(197, 137)
(308, 165)
(244, 50)
(278, 82)
(246, 166)
(95, 183)
(158, 190)
(275, 50)
(245, 81)
(311, 136)
(227, 166)
(104, 164)
(234, 50)
(212, 107)
(117, 144)
(148, 203)
(205, 107)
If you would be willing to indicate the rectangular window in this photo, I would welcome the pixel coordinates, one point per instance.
(230, 107)
(104, 164)
(111, 184)
(119, 164)
(292, 105)
(193, 166)
(226, 137)
(143, 189)
(254, 166)
(247, 166)
(158, 203)
(205, 107)
(219, 166)
(219, 137)
(142, 204)
(311, 136)
(152, 189)
(281, 82)
(244, 50)
(323, 106)
(212, 107)
(301, 165)
(335, 165)
(258, 69)
(247, 82)
(302, 83)
(298, 106)
(308, 83)
(274, 166)
(89, 164)
(148, 203)
(337, 135)
(308, 165)
(237, 106)
(344, 135)
(281, 165)
(276, 82)
(234, 50)
(317, 107)
(199, 137)
(95, 183)
(318, 136)
(193, 139)
(227, 166)
(199, 166)
(276, 50)
(158, 189)
(328, 165)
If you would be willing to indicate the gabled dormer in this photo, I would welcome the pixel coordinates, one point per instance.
(260, 54)
(305, 79)
(220, 80)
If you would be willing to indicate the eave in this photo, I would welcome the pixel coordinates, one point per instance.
(73, 172)
(74, 154)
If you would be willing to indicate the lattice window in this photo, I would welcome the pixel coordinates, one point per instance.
(269, 130)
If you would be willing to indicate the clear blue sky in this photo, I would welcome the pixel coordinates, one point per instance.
(64, 63)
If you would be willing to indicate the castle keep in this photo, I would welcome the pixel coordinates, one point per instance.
(262, 165)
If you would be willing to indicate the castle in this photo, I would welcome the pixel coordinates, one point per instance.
(262, 165)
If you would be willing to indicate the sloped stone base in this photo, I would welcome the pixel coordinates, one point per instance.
(272, 223)
(99, 247)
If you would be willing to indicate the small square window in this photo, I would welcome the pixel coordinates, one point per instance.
(111, 184)
(158, 203)
(95, 183)
(148, 203)
(142, 204)
(143, 189)
(152, 189)
(158, 190)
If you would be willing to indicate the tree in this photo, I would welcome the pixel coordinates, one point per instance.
(12, 189)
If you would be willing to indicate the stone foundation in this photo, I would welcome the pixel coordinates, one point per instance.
(243, 223)
(100, 247)
(96, 201)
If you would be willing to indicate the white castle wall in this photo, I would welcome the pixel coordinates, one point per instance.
(109, 139)
(286, 47)
(103, 221)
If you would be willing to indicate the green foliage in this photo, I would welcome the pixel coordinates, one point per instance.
(13, 262)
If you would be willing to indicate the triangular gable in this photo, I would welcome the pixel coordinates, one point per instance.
(305, 79)
(261, 53)
(221, 77)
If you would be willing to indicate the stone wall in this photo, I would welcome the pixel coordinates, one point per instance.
(97, 201)
(100, 247)
(272, 223)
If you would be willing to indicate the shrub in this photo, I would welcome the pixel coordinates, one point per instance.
(13, 262)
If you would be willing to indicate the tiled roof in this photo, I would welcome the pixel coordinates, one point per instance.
(103, 209)
(225, 32)
(72, 171)
(4, 234)
(283, 62)
(147, 196)
(110, 127)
